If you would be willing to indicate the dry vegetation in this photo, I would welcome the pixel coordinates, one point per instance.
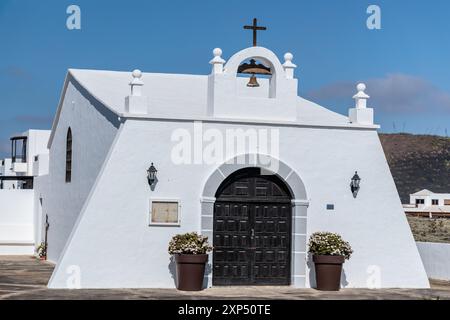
(418, 162)
(430, 230)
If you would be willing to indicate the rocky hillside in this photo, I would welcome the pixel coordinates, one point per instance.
(418, 162)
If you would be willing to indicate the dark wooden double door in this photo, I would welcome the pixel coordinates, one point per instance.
(252, 230)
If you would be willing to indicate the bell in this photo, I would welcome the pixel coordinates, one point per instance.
(253, 82)
(254, 68)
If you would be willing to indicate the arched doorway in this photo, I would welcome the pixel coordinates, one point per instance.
(252, 228)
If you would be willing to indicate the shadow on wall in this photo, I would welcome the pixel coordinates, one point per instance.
(208, 271)
(153, 185)
(312, 272)
(173, 270)
(172, 266)
(344, 282)
(107, 113)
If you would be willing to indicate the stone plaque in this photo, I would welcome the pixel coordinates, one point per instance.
(164, 212)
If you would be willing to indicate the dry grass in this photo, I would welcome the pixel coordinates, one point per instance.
(430, 230)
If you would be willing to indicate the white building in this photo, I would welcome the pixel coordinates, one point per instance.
(19, 217)
(234, 163)
(428, 203)
(6, 171)
(25, 151)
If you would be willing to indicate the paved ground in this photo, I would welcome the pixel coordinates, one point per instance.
(26, 278)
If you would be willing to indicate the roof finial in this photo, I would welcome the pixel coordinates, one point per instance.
(136, 84)
(361, 97)
(217, 61)
(136, 103)
(360, 114)
(289, 66)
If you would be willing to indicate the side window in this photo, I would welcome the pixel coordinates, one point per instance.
(69, 156)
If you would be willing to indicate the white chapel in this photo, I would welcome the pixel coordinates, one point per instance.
(136, 158)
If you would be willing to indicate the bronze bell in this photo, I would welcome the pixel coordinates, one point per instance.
(253, 68)
(253, 82)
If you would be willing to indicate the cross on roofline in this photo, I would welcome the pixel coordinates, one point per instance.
(255, 28)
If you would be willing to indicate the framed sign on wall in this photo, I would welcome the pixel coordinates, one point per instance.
(165, 212)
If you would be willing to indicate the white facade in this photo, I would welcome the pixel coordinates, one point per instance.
(429, 199)
(93, 127)
(37, 150)
(6, 167)
(19, 215)
(99, 222)
(6, 171)
(36, 146)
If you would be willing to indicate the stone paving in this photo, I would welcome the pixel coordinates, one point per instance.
(23, 277)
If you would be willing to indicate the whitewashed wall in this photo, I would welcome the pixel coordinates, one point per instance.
(436, 259)
(16, 222)
(36, 144)
(93, 129)
(129, 253)
(41, 187)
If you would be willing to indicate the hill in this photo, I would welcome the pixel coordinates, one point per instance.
(418, 162)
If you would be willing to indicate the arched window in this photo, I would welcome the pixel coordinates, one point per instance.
(69, 156)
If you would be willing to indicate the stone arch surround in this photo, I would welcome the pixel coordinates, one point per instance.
(300, 205)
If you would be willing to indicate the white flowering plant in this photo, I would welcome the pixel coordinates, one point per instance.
(42, 250)
(189, 243)
(329, 244)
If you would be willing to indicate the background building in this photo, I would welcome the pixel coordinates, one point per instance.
(426, 203)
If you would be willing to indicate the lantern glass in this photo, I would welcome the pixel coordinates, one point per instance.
(151, 174)
(355, 184)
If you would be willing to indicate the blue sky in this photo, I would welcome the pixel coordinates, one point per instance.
(405, 64)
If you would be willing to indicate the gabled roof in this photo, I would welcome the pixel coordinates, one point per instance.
(177, 96)
(423, 193)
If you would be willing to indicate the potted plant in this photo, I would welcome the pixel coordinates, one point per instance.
(190, 252)
(42, 251)
(329, 252)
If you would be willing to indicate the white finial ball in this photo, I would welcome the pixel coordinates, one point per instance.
(361, 87)
(288, 56)
(217, 52)
(137, 73)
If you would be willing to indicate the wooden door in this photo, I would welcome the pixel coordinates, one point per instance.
(252, 230)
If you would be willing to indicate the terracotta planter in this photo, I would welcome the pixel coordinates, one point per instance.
(190, 271)
(328, 272)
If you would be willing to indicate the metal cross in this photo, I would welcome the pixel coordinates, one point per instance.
(255, 28)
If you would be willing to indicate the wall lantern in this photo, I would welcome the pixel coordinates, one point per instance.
(354, 185)
(151, 175)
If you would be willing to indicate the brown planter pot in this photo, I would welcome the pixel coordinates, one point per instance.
(190, 271)
(328, 272)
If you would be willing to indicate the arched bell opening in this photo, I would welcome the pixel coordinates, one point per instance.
(252, 68)
(258, 75)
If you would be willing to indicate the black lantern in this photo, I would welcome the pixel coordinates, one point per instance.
(151, 175)
(354, 185)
